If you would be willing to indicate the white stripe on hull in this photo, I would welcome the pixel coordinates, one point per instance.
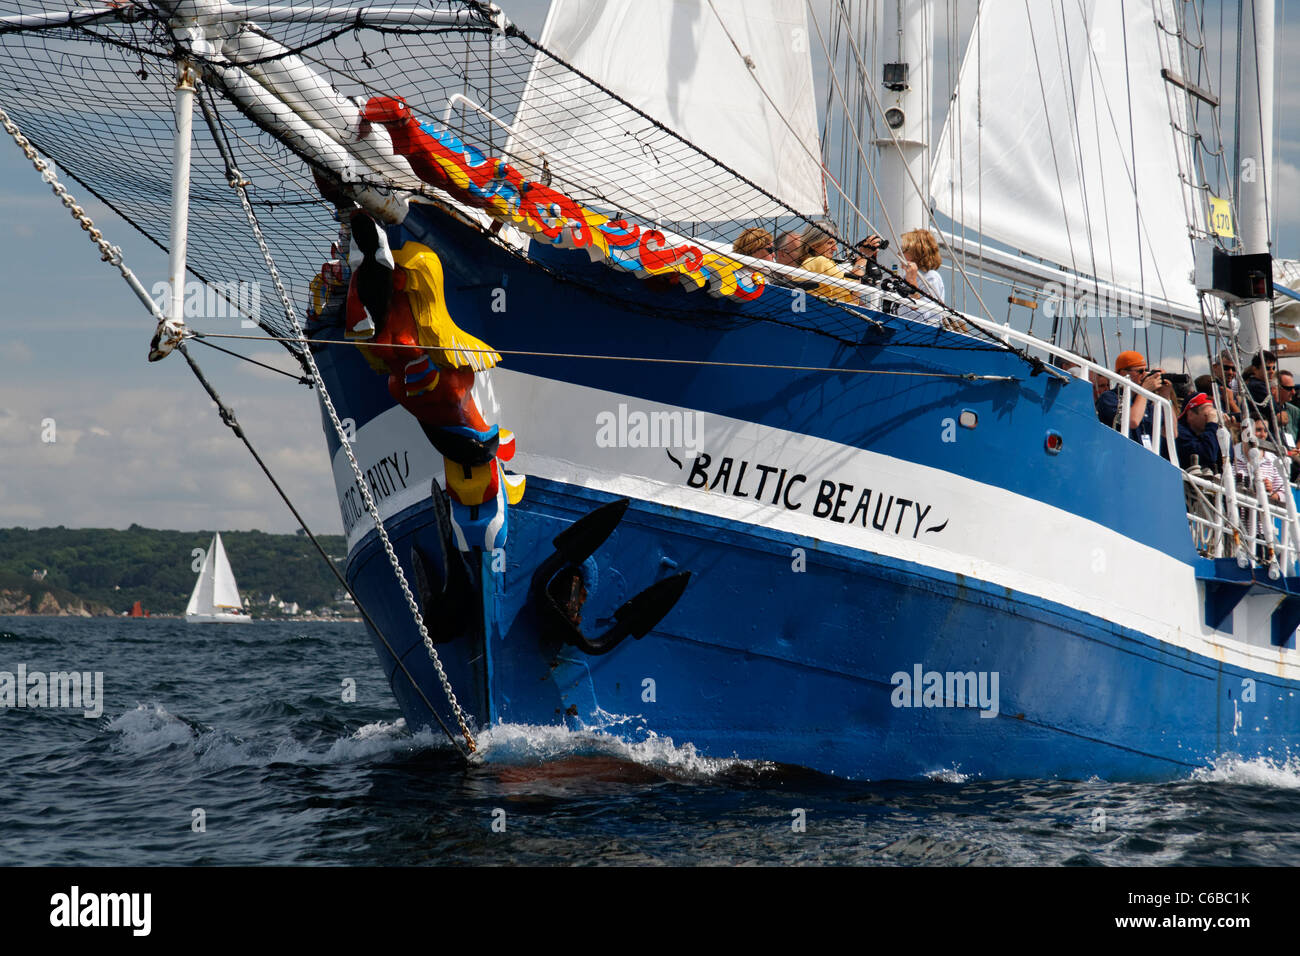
(991, 534)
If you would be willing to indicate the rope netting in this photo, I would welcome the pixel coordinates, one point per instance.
(95, 94)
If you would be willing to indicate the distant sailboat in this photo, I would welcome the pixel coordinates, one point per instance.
(215, 597)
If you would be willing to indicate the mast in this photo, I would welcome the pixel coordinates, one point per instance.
(180, 220)
(1255, 149)
(906, 64)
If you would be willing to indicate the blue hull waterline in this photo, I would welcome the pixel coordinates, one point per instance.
(900, 595)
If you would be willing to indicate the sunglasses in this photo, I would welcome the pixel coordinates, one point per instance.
(769, 248)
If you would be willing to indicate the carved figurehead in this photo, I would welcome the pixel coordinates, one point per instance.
(397, 314)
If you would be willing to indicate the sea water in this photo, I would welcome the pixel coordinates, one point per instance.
(280, 743)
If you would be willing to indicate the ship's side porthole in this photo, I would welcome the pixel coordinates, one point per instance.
(967, 418)
(1053, 443)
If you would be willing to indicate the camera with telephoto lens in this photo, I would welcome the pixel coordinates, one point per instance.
(1182, 384)
(863, 251)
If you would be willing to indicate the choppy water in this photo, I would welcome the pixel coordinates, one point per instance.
(248, 724)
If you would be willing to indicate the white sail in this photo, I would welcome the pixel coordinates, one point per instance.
(224, 592)
(1059, 143)
(215, 596)
(201, 596)
(675, 60)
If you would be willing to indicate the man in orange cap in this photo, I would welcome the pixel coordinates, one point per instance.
(1140, 414)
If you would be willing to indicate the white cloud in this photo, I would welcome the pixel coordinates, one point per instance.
(158, 458)
(15, 352)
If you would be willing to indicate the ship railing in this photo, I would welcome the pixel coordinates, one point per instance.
(1164, 427)
(1232, 519)
(1164, 423)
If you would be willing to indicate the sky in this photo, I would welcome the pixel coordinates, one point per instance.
(93, 435)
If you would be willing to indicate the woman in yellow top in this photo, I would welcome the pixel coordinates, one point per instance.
(818, 250)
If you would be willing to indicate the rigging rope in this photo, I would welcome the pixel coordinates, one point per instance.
(866, 83)
(1051, 140)
(844, 197)
(113, 255)
(228, 417)
(1132, 139)
(1063, 36)
(109, 253)
(239, 183)
(300, 379)
(968, 376)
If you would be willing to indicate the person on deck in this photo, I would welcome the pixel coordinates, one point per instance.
(1224, 372)
(788, 247)
(755, 243)
(1270, 468)
(1288, 414)
(919, 251)
(1288, 417)
(818, 251)
(869, 249)
(1198, 434)
(1258, 378)
(1141, 416)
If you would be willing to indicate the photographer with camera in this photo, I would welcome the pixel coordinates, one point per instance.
(1141, 415)
(819, 247)
(867, 249)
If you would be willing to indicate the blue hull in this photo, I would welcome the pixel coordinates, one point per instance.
(801, 672)
(791, 647)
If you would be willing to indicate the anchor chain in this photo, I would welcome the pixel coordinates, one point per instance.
(238, 182)
(169, 333)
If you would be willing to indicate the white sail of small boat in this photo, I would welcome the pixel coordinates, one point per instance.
(215, 596)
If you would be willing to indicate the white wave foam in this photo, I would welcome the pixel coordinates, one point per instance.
(524, 744)
(381, 737)
(1258, 771)
(950, 775)
(149, 728)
